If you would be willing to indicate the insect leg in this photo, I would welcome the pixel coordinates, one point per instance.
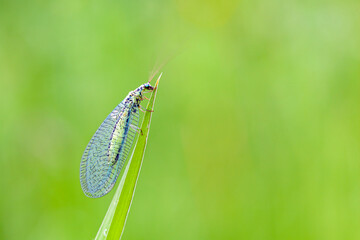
(136, 128)
(143, 110)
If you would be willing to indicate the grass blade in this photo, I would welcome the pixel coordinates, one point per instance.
(105, 225)
(114, 221)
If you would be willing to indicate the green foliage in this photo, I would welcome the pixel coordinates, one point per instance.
(256, 133)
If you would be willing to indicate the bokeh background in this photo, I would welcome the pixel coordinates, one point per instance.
(256, 133)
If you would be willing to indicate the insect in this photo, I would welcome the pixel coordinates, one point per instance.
(108, 149)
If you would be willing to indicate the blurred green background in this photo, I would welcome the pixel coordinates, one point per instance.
(256, 130)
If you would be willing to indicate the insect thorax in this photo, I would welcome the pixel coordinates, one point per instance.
(136, 95)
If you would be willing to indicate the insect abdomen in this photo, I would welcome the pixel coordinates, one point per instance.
(118, 137)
